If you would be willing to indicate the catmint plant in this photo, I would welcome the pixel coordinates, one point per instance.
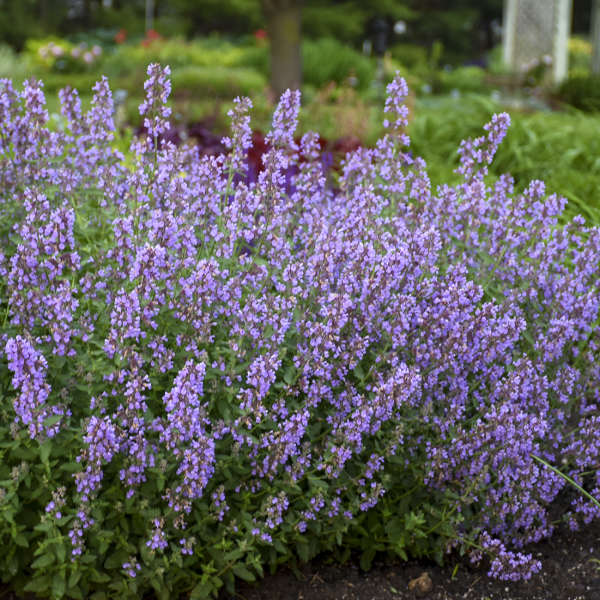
(203, 373)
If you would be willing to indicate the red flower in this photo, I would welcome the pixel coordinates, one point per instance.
(121, 36)
(151, 36)
(260, 34)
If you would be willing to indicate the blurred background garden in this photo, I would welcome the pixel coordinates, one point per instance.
(341, 53)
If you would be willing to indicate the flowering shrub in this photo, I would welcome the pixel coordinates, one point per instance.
(201, 376)
(62, 56)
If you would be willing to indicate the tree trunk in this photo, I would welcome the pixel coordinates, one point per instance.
(284, 29)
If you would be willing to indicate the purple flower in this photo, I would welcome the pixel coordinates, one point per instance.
(29, 369)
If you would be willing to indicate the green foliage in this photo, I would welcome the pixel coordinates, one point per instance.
(406, 522)
(463, 79)
(217, 81)
(582, 92)
(580, 54)
(176, 52)
(54, 54)
(413, 56)
(559, 148)
(348, 20)
(203, 68)
(207, 67)
(20, 20)
(495, 61)
(12, 65)
(232, 16)
(328, 60)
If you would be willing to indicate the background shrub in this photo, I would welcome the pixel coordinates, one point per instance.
(582, 92)
(218, 81)
(463, 79)
(341, 62)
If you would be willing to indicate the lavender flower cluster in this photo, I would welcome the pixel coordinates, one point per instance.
(313, 335)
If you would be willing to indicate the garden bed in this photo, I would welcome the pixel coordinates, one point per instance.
(570, 572)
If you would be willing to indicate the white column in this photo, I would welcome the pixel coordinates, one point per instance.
(534, 30)
(562, 31)
(509, 17)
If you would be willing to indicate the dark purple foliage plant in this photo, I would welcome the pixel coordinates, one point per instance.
(203, 375)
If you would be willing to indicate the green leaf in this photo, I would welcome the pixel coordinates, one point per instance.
(240, 570)
(202, 591)
(289, 375)
(38, 585)
(115, 560)
(399, 550)
(395, 529)
(234, 554)
(13, 565)
(366, 559)
(43, 561)
(414, 521)
(98, 577)
(255, 563)
(302, 549)
(75, 592)
(223, 407)
(70, 467)
(59, 585)
(44, 526)
(316, 482)
(358, 372)
(21, 540)
(158, 585)
(145, 554)
(45, 450)
(74, 578)
(24, 453)
(60, 551)
(229, 583)
(177, 559)
(53, 420)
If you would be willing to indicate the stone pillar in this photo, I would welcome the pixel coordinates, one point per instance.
(562, 31)
(595, 37)
(509, 18)
(534, 30)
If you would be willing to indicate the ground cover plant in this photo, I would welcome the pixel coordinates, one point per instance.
(203, 376)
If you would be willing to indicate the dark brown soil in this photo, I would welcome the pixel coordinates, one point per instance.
(570, 571)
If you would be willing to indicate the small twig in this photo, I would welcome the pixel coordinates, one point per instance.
(472, 587)
(316, 578)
